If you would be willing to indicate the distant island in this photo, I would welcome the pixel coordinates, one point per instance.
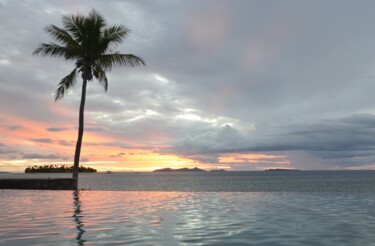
(281, 169)
(57, 169)
(218, 170)
(185, 169)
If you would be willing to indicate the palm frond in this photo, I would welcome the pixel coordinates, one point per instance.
(116, 33)
(74, 25)
(61, 35)
(67, 82)
(88, 41)
(92, 30)
(96, 19)
(101, 76)
(113, 36)
(55, 50)
(108, 61)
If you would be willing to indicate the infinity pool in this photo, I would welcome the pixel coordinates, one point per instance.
(186, 218)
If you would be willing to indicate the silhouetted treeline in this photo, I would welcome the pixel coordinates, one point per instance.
(57, 169)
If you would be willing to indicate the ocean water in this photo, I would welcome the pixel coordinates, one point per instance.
(249, 208)
(270, 181)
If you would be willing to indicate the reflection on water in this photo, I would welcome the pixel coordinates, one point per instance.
(185, 218)
(78, 218)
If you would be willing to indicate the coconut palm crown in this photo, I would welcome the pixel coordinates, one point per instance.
(91, 44)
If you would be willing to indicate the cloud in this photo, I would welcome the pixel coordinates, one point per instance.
(14, 127)
(6, 150)
(9, 128)
(56, 129)
(109, 144)
(95, 129)
(117, 155)
(42, 140)
(206, 158)
(66, 143)
(41, 156)
(345, 135)
(119, 144)
(244, 77)
(347, 141)
(225, 139)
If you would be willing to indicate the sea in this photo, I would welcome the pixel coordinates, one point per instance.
(197, 208)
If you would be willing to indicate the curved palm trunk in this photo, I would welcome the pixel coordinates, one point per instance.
(80, 134)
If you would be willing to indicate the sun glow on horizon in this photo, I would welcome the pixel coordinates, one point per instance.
(39, 143)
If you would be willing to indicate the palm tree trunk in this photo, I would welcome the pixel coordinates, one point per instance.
(80, 134)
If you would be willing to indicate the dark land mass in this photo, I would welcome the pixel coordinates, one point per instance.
(281, 169)
(217, 171)
(166, 170)
(57, 169)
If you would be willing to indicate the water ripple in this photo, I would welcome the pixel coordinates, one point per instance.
(185, 218)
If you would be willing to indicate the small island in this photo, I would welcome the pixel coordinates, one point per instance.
(217, 170)
(58, 169)
(185, 169)
(282, 169)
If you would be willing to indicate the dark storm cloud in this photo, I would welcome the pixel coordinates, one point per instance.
(355, 133)
(210, 158)
(348, 141)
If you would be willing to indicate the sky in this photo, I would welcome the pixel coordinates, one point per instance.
(238, 85)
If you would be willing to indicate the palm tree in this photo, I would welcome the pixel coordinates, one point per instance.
(90, 43)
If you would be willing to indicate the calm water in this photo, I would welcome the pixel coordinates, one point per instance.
(311, 181)
(305, 208)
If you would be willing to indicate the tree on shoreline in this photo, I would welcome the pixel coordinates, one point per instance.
(88, 42)
(57, 169)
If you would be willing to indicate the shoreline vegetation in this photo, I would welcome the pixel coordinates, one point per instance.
(58, 169)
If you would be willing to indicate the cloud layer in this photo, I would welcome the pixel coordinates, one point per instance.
(243, 85)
